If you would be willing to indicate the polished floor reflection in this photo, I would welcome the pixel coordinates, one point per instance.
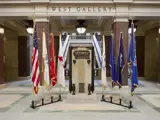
(15, 102)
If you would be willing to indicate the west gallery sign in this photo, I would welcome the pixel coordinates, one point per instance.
(83, 9)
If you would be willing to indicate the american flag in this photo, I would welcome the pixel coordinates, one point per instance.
(35, 63)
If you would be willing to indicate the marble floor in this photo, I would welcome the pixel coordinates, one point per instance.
(15, 101)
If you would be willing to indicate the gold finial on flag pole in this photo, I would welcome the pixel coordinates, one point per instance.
(34, 25)
(121, 31)
(111, 33)
(132, 22)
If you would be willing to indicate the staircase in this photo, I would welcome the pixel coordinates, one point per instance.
(91, 39)
(81, 98)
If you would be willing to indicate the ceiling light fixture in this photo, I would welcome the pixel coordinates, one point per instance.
(81, 30)
(81, 27)
(29, 30)
(2, 30)
(29, 26)
(130, 30)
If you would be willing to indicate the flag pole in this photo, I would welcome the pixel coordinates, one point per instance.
(120, 88)
(103, 87)
(60, 85)
(131, 64)
(42, 62)
(112, 83)
(34, 24)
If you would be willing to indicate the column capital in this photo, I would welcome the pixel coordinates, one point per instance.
(118, 26)
(121, 19)
(42, 19)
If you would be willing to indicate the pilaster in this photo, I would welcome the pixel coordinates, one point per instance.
(121, 25)
(42, 24)
(1, 55)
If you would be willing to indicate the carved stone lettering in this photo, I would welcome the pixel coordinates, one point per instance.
(81, 54)
(81, 9)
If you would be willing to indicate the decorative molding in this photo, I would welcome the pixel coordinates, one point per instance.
(123, 1)
(42, 19)
(39, 1)
(121, 19)
(116, 10)
(79, 1)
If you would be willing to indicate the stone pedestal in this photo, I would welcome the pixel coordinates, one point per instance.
(81, 69)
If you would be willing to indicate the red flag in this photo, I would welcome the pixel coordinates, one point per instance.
(53, 72)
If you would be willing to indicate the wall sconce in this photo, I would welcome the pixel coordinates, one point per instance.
(159, 30)
(1, 30)
(81, 27)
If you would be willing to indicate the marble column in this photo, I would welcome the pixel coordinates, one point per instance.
(1, 56)
(158, 38)
(42, 24)
(121, 25)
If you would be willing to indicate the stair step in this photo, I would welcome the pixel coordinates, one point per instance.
(81, 98)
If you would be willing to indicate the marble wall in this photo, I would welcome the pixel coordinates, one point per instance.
(151, 55)
(11, 55)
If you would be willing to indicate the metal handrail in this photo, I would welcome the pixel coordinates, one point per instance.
(90, 38)
(97, 50)
(82, 37)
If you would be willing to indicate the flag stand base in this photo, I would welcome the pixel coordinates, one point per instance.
(103, 99)
(34, 106)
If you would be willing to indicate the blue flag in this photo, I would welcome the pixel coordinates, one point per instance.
(129, 54)
(133, 62)
(121, 63)
(113, 61)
